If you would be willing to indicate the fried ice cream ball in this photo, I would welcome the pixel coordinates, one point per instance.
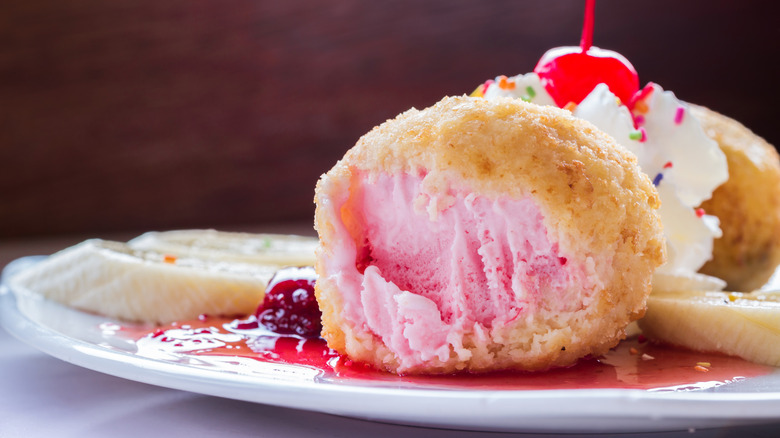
(480, 235)
(748, 205)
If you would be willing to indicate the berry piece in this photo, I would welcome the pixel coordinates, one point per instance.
(569, 74)
(289, 306)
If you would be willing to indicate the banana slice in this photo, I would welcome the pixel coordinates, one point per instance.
(271, 249)
(115, 280)
(746, 325)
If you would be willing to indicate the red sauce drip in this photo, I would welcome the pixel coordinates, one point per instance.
(634, 364)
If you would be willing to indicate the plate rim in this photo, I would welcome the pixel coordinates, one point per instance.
(497, 410)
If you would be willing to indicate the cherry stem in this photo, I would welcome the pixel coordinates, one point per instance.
(587, 27)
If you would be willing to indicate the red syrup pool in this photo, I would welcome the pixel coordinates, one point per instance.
(239, 346)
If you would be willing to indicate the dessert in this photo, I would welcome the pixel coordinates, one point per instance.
(487, 233)
(748, 205)
(481, 235)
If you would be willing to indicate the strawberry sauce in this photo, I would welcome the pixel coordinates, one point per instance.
(243, 346)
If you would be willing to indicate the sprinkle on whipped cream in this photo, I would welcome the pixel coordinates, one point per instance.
(678, 116)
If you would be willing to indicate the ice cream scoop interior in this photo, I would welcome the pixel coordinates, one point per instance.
(430, 267)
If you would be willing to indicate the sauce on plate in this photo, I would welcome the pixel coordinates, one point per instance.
(242, 346)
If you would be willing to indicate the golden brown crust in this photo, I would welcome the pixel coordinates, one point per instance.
(506, 146)
(748, 205)
(594, 200)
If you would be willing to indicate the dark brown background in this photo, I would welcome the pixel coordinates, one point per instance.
(138, 115)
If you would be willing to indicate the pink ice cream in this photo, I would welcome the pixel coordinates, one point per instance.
(425, 269)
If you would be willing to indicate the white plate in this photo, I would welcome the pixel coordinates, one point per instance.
(75, 337)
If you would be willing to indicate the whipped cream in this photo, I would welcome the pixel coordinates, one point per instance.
(672, 148)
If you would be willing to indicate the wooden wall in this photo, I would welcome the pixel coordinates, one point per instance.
(139, 115)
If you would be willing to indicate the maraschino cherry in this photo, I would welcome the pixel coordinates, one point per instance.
(569, 74)
(289, 306)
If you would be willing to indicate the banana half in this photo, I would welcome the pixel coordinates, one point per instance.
(746, 325)
(165, 277)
